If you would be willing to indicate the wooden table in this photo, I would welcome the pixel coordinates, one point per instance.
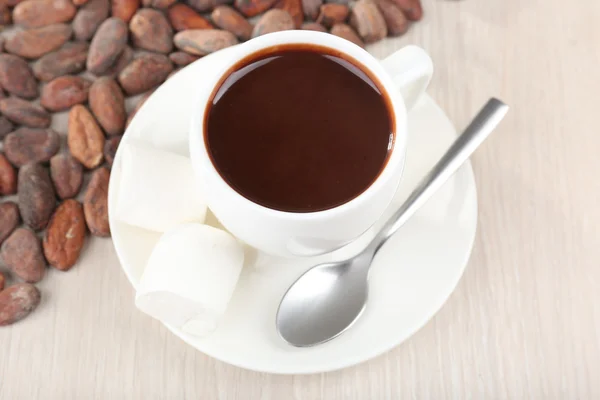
(524, 322)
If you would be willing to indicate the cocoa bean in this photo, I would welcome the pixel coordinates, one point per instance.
(11, 3)
(65, 236)
(31, 145)
(124, 59)
(145, 72)
(22, 254)
(206, 5)
(331, 14)
(17, 302)
(107, 44)
(8, 177)
(395, 20)
(204, 41)
(64, 92)
(85, 138)
(412, 9)
(227, 18)
(183, 17)
(89, 17)
(110, 149)
(16, 77)
(2, 279)
(201, 5)
(24, 113)
(124, 9)
(35, 42)
(294, 8)
(36, 196)
(66, 174)
(160, 4)
(346, 32)
(95, 203)
(250, 8)
(368, 22)
(5, 16)
(273, 21)
(69, 59)
(5, 127)
(151, 31)
(311, 8)
(313, 26)
(108, 105)
(36, 13)
(9, 219)
(182, 58)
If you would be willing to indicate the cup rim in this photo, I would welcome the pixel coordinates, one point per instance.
(395, 162)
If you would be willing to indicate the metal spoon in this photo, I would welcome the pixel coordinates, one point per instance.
(327, 299)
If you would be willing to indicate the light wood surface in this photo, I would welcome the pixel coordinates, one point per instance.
(524, 322)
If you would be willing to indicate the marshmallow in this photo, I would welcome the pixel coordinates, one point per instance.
(157, 189)
(190, 277)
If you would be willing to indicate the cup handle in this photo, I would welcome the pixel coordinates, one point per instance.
(411, 69)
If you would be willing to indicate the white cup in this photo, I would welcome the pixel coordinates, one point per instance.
(404, 75)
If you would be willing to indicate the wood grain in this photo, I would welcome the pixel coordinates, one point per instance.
(524, 322)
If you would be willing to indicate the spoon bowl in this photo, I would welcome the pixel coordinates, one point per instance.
(332, 292)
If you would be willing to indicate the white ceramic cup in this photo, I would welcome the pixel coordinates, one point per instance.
(404, 75)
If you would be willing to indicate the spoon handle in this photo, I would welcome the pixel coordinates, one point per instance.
(478, 130)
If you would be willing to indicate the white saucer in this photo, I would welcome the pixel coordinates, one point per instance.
(411, 278)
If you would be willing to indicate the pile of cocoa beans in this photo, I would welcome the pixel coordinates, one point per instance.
(85, 58)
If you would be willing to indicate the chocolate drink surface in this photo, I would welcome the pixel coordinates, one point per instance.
(299, 128)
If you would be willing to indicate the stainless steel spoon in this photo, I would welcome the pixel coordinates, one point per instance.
(327, 299)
